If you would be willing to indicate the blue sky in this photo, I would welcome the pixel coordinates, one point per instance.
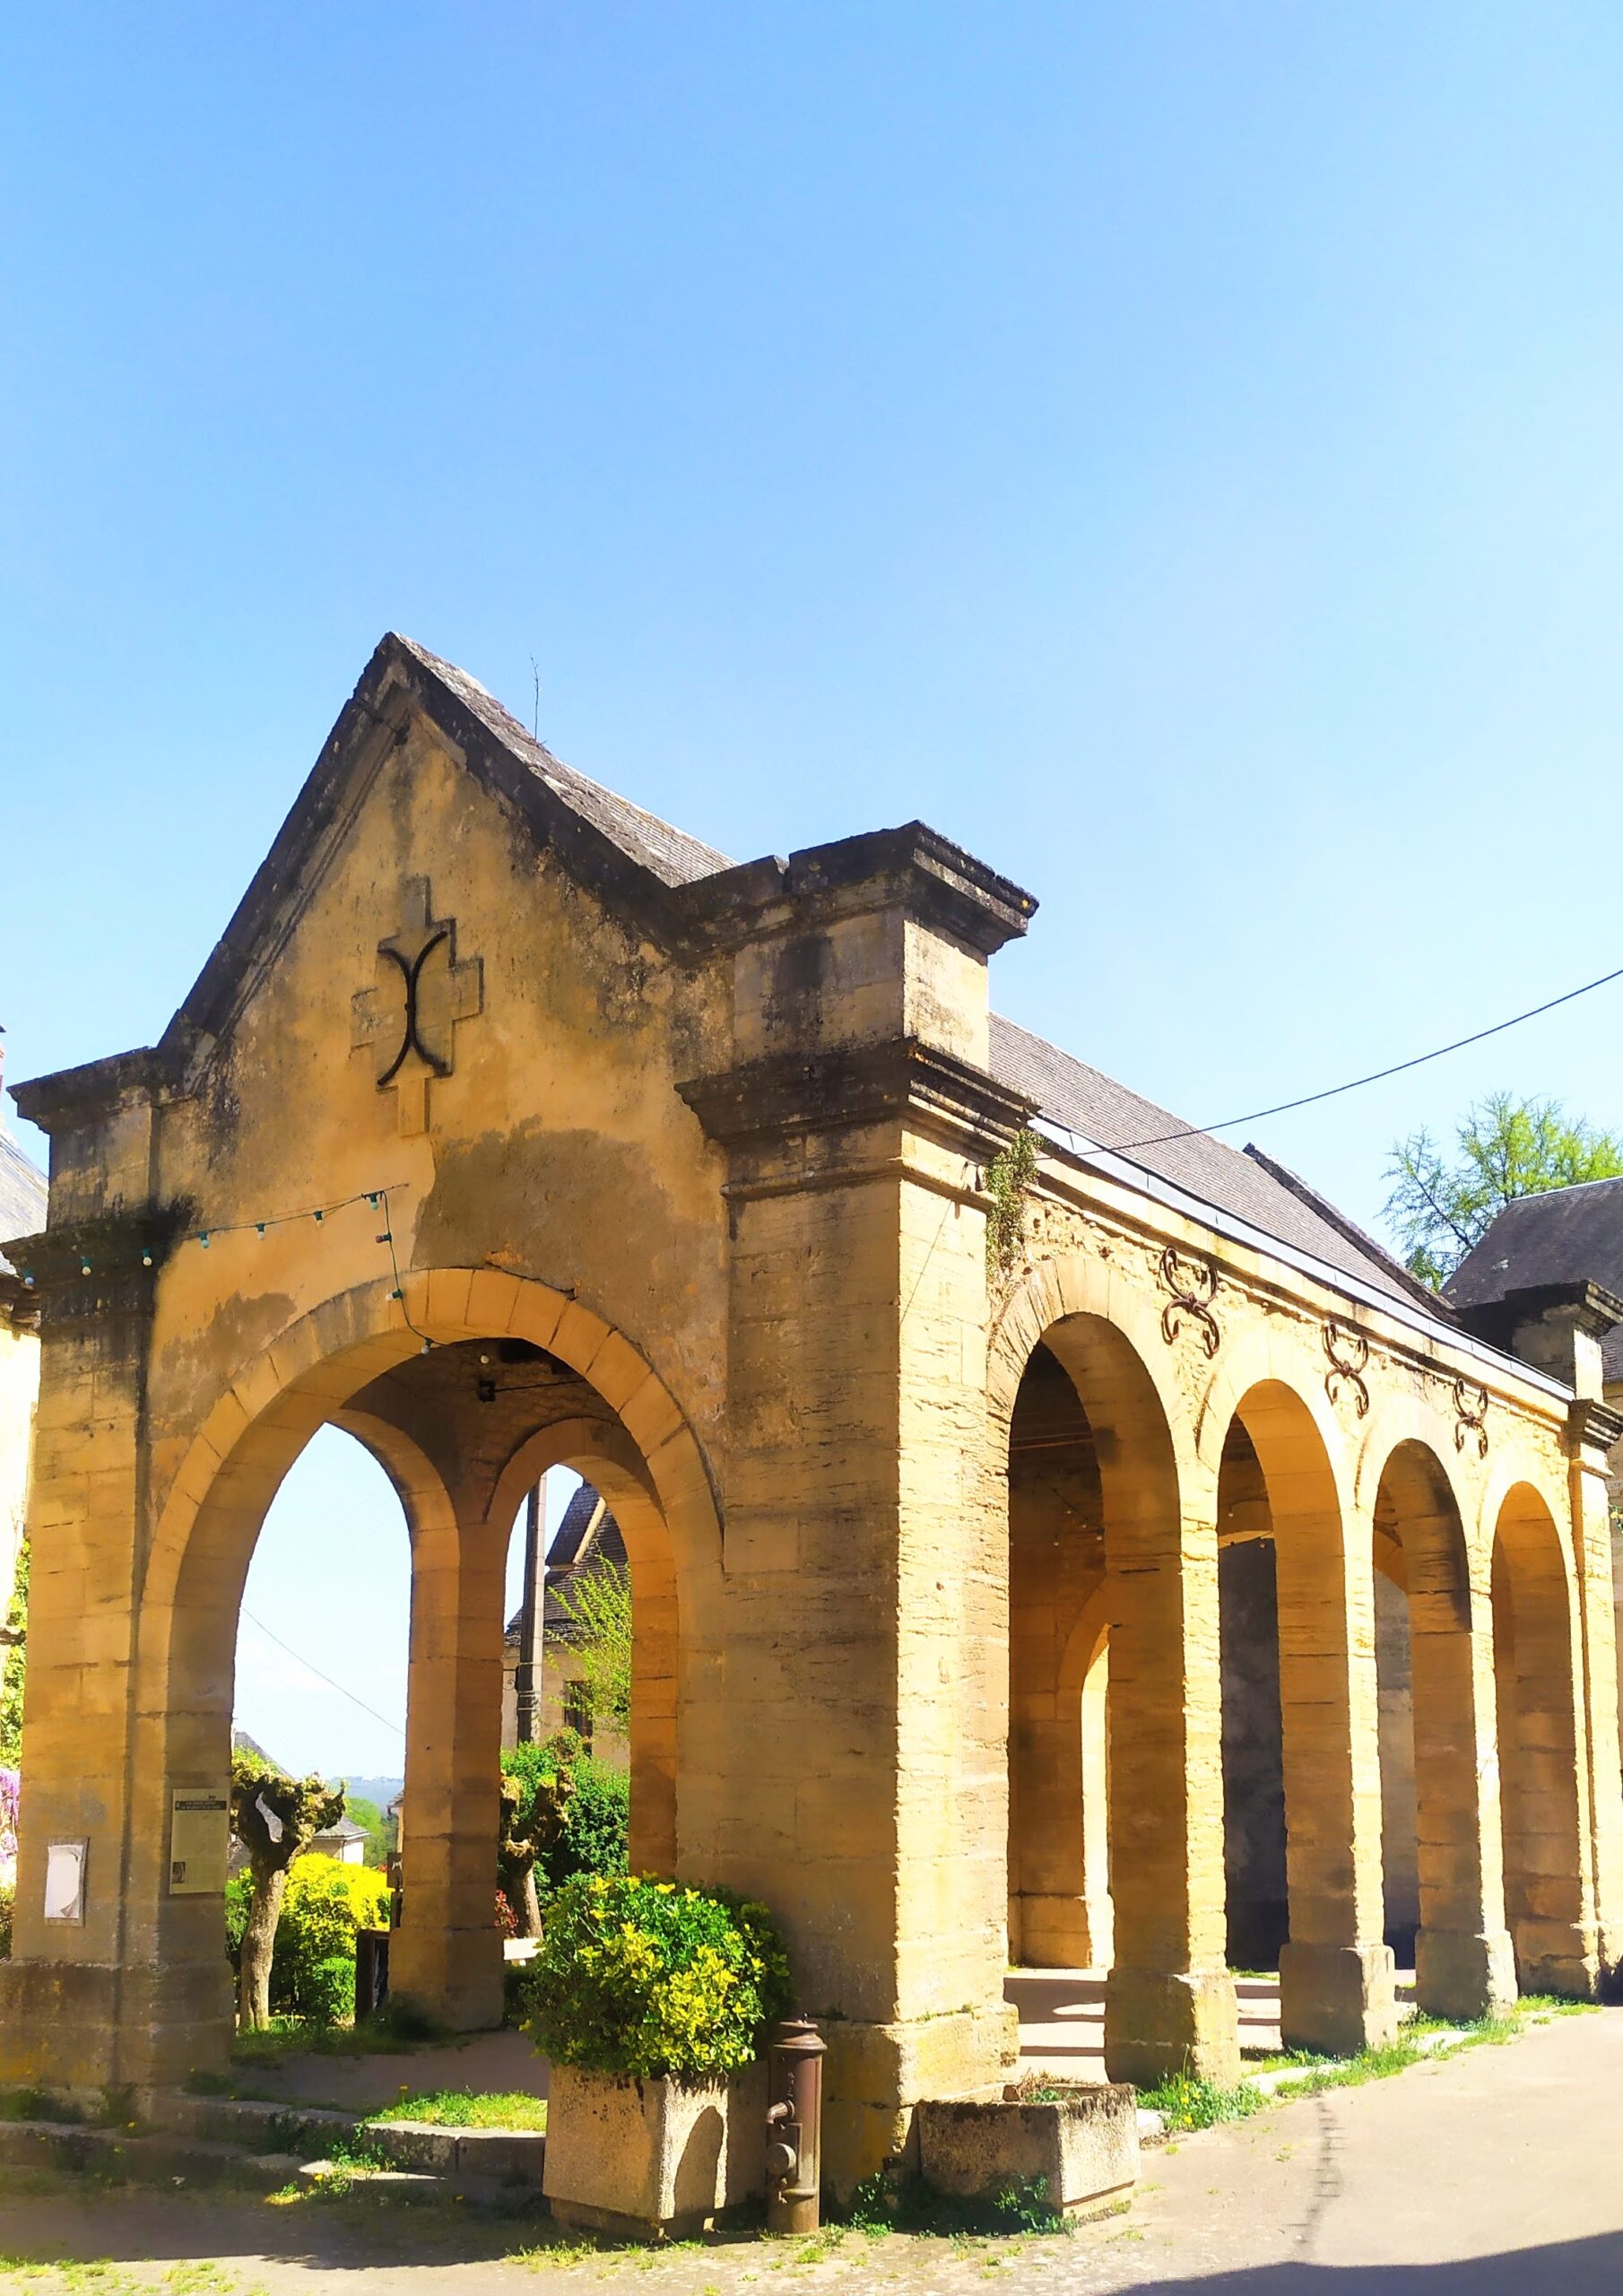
(1172, 448)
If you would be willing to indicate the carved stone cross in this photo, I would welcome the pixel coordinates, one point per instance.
(409, 1016)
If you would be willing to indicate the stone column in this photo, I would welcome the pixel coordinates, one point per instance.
(105, 1999)
(1170, 2004)
(1594, 1431)
(1336, 1973)
(447, 1953)
(857, 1748)
(1464, 1966)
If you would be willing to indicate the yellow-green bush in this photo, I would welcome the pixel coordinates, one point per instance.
(313, 1970)
(642, 1976)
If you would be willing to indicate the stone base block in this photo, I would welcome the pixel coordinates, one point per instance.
(455, 1977)
(1560, 1957)
(88, 2026)
(1053, 1931)
(1084, 2148)
(648, 2159)
(874, 2075)
(1158, 2024)
(1460, 1976)
(1338, 1998)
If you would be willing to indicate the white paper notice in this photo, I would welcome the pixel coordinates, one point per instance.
(64, 1882)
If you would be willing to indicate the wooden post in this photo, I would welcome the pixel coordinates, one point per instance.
(526, 1678)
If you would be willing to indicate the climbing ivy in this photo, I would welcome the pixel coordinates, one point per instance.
(12, 1658)
(1008, 1178)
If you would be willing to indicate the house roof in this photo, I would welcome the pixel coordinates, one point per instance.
(1247, 1185)
(587, 1539)
(343, 1828)
(1568, 1235)
(23, 1191)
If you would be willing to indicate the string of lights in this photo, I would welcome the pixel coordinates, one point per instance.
(205, 1238)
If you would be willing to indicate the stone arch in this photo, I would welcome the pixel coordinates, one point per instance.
(605, 1457)
(209, 1518)
(1168, 2001)
(1463, 1957)
(1537, 1669)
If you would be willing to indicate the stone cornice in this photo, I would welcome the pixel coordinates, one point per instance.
(791, 1095)
(913, 868)
(101, 1267)
(1592, 1426)
(77, 1096)
(1590, 1307)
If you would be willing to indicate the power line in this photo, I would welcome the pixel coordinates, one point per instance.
(316, 1670)
(1332, 1092)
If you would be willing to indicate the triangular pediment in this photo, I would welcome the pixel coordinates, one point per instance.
(635, 862)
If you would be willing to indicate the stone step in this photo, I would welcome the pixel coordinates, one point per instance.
(141, 2159)
(497, 2163)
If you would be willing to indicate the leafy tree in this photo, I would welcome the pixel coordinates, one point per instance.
(275, 1818)
(1441, 1204)
(378, 1827)
(599, 1602)
(537, 1787)
(13, 1660)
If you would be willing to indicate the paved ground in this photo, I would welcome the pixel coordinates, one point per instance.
(1498, 2173)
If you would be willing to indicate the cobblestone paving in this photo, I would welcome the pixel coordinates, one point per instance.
(1494, 2173)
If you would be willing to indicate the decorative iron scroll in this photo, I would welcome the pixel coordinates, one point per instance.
(1192, 1284)
(1348, 1354)
(1471, 1404)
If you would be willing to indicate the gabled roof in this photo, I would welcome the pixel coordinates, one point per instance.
(1568, 1235)
(1248, 1186)
(587, 1539)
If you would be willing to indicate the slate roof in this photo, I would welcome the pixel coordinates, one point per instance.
(1569, 1235)
(23, 1189)
(565, 1558)
(673, 856)
(1245, 1185)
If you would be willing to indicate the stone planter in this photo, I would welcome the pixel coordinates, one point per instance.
(1084, 2147)
(651, 2159)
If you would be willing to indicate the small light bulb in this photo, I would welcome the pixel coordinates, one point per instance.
(204, 1239)
(84, 1267)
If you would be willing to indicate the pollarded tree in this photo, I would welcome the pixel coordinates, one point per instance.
(537, 1788)
(275, 1818)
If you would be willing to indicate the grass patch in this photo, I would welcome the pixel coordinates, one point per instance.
(397, 2026)
(885, 2204)
(468, 2108)
(38, 2104)
(1184, 2101)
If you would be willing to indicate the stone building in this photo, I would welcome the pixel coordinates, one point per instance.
(928, 1373)
(22, 1196)
(1551, 1264)
(587, 1542)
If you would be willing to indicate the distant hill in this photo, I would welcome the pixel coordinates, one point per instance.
(381, 1790)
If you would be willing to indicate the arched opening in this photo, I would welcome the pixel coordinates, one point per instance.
(463, 1428)
(1464, 1965)
(1534, 1698)
(1113, 1706)
(1256, 1894)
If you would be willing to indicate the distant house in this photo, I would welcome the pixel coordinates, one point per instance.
(587, 1541)
(345, 1841)
(22, 1196)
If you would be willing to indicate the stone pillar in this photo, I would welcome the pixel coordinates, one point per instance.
(1171, 2002)
(447, 1953)
(1464, 1966)
(859, 1786)
(1336, 1973)
(1594, 1431)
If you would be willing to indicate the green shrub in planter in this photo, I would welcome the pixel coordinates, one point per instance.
(641, 1977)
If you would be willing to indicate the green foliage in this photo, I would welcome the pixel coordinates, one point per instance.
(313, 1966)
(886, 2202)
(598, 1600)
(1008, 1179)
(469, 2109)
(596, 1816)
(13, 1664)
(641, 1977)
(1441, 1204)
(379, 1827)
(1184, 2101)
(8, 1906)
